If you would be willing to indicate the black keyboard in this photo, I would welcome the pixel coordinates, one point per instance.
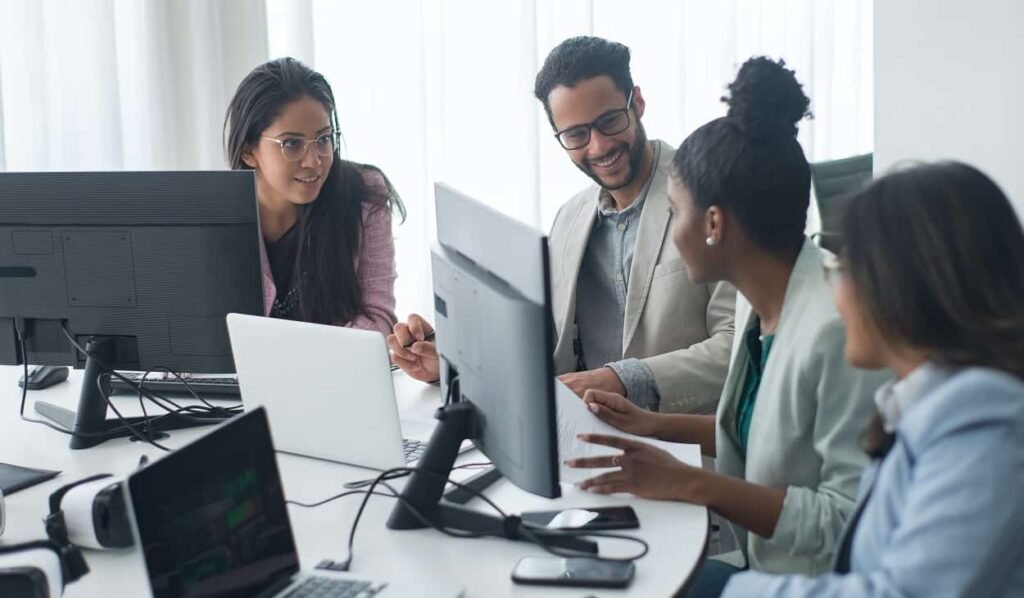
(226, 387)
(327, 587)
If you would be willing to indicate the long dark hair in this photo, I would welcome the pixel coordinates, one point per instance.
(933, 253)
(330, 227)
(750, 162)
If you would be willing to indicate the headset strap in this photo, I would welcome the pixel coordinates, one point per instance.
(58, 494)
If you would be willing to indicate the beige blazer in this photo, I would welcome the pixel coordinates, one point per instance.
(811, 411)
(681, 330)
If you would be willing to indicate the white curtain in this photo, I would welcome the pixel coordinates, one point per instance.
(122, 84)
(428, 90)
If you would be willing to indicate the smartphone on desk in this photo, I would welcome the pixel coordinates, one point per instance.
(592, 518)
(576, 572)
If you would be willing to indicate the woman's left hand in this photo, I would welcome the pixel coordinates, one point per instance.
(644, 470)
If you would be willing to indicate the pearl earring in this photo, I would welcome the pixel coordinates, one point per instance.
(709, 241)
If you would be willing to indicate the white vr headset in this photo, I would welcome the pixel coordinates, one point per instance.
(88, 513)
(94, 513)
(33, 570)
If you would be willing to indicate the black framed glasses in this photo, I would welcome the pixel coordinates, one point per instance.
(295, 148)
(612, 122)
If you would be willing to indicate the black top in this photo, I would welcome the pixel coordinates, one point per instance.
(281, 255)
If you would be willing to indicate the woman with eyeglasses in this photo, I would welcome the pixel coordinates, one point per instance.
(785, 437)
(328, 253)
(931, 287)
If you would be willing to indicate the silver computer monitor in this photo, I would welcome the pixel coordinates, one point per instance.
(492, 306)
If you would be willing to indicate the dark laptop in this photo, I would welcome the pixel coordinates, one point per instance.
(212, 521)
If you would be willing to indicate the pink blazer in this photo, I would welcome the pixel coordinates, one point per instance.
(375, 267)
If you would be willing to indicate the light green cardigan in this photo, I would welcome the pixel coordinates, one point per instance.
(811, 410)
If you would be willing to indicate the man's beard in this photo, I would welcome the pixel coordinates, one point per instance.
(635, 154)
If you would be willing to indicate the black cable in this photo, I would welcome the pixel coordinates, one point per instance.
(320, 503)
(127, 426)
(366, 482)
(394, 474)
(178, 411)
(158, 399)
(24, 361)
(452, 383)
(536, 534)
(24, 396)
(110, 404)
(131, 428)
(184, 381)
(142, 404)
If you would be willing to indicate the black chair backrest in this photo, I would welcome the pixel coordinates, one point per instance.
(834, 181)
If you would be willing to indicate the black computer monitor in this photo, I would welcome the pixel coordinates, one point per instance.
(492, 309)
(140, 268)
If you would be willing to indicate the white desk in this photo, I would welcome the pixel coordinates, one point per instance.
(676, 532)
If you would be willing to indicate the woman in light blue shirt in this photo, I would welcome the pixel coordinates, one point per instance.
(931, 286)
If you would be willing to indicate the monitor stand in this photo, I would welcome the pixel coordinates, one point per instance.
(89, 424)
(424, 491)
(472, 486)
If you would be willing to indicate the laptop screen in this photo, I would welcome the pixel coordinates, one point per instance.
(211, 516)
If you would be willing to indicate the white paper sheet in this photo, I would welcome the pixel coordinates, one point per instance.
(574, 418)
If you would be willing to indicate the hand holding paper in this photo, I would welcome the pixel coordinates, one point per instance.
(574, 418)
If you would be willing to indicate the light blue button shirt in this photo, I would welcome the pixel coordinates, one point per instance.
(601, 295)
(944, 517)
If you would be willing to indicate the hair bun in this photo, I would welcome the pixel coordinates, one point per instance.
(766, 100)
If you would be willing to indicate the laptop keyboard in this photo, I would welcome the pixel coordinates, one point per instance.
(327, 587)
(413, 449)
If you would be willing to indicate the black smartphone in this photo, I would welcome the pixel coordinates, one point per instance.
(576, 572)
(594, 518)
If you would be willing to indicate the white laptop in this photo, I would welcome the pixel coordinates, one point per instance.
(328, 390)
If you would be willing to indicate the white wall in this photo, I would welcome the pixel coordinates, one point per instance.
(949, 83)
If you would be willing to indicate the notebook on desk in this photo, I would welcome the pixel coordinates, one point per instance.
(328, 389)
(211, 520)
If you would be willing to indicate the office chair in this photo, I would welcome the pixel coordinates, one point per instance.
(833, 183)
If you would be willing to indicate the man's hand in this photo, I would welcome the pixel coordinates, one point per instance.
(412, 352)
(600, 379)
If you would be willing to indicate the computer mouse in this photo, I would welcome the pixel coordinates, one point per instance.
(44, 376)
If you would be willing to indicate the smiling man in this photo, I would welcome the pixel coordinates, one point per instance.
(628, 320)
(627, 317)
